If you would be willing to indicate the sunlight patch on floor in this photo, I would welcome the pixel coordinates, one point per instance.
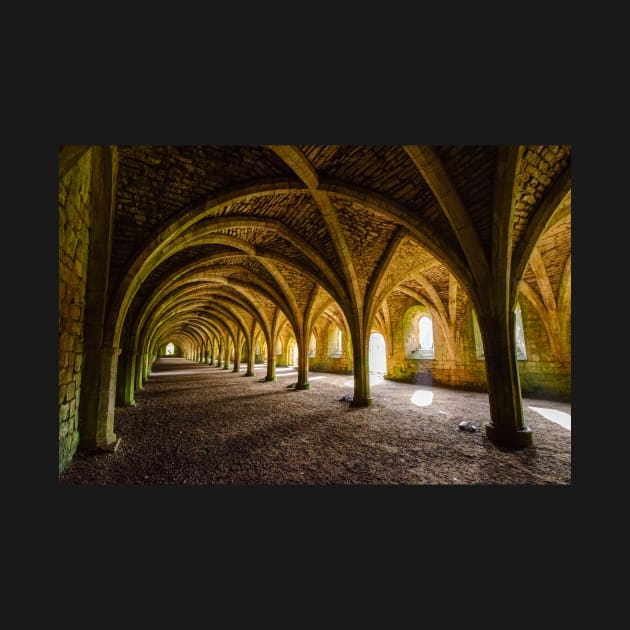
(422, 398)
(559, 417)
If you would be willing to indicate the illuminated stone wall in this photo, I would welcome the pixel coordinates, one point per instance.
(74, 236)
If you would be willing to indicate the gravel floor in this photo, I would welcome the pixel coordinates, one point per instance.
(198, 424)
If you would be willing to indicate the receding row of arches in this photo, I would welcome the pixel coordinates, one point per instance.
(302, 254)
(377, 352)
(417, 330)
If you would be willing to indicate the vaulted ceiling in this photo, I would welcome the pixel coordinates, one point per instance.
(214, 236)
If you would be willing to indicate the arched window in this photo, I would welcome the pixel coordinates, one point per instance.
(425, 330)
(334, 341)
(519, 335)
(377, 359)
(312, 348)
(478, 341)
(418, 330)
(260, 356)
(294, 354)
(170, 349)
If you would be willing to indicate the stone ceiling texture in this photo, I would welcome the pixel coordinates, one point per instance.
(224, 234)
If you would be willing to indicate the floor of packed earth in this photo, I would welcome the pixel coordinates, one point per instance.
(203, 425)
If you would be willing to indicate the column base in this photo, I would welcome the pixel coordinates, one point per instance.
(302, 386)
(368, 401)
(509, 436)
(248, 374)
(271, 378)
(111, 443)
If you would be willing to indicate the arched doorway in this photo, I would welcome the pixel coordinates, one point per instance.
(377, 357)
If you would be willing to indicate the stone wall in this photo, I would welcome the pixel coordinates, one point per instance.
(338, 363)
(543, 375)
(74, 234)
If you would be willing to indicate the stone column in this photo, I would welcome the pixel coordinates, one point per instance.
(302, 382)
(250, 359)
(360, 355)
(237, 353)
(125, 380)
(271, 363)
(507, 426)
(97, 422)
(140, 368)
(97, 404)
(226, 354)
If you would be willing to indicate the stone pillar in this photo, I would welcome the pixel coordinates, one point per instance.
(237, 354)
(302, 382)
(125, 380)
(271, 363)
(507, 425)
(97, 421)
(250, 359)
(360, 356)
(96, 409)
(140, 368)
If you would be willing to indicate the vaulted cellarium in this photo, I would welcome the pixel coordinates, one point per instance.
(314, 314)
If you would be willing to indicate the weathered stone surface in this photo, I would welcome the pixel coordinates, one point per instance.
(215, 247)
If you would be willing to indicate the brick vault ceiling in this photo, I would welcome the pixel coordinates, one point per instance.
(248, 228)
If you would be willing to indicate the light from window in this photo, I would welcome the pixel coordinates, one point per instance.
(426, 333)
(376, 358)
(334, 341)
(295, 354)
(519, 335)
